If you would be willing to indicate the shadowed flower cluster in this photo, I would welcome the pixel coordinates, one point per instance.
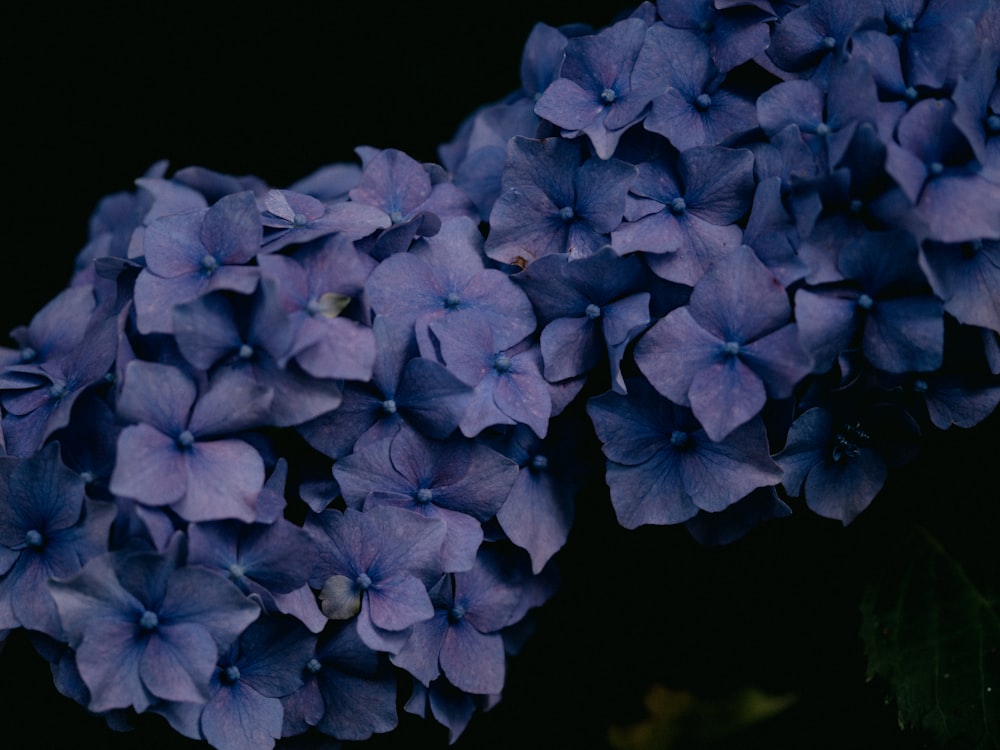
(282, 459)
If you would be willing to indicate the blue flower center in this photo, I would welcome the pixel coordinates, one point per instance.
(865, 302)
(593, 311)
(313, 665)
(502, 363)
(855, 206)
(608, 96)
(829, 42)
(920, 386)
(906, 24)
(703, 102)
(396, 217)
(87, 476)
(935, 168)
(678, 206)
(424, 495)
(566, 213)
(246, 352)
(679, 439)
(389, 406)
(539, 462)
(27, 354)
(993, 124)
(456, 613)
(299, 220)
(910, 94)
(57, 390)
(822, 129)
(363, 582)
(237, 572)
(732, 348)
(847, 443)
(185, 440)
(209, 264)
(34, 539)
(230, 675)
(453, 300)
(149, 620)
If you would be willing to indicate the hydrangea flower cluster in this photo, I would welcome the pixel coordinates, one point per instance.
(283, 460)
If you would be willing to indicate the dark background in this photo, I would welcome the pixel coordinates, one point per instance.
(94, 96)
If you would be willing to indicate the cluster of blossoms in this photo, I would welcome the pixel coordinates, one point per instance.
(281, 459)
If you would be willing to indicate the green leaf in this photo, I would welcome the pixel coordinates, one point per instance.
(934, 637)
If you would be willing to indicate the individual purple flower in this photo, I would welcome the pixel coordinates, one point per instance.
(590, 309)
(272, 563)
(460, 482)
(189, 254)
(373, 564)
(662, 466)
(735, 31)
(730, 349)
(808, 36)
(977, 112)
(555, 200)
(314, 288)
(244, 709)
(178, 454)
(238, 336)
(885, 298)
(147, 630)
(405, 389)
(48, 529)
(694, 108)
(684, 217)
(594, 94)
(405, 192)
(933, 165)
(507, 382)
(462, 640)
(349, 691)
(444, 276)
(293, 217)
(55, 330)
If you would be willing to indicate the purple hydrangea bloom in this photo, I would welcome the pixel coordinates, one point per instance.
(373, 564)
(734, 30)
(730, 349)
(966, 277)
(594, 94)
(178, 453)
(662, 466)
(555, 200)
(807, 37)
(189, 254)
(146, 629)
(48, 529)
(294, 217)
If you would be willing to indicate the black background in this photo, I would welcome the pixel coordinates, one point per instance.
(95, 95)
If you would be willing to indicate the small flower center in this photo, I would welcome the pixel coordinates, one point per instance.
(313, 665)
(703, 102)
(389, 406)
(906, 24)
(34, 539)
(679, 439)
(185, 440)
(920, 386)
(935, 168)
(209, 264)
(732, 348)
(678, 206)
(246, 352)
(608, 96)
(453, 300)
(456, 613)
(299, 220)
(993, 124)
(149, 620)
(395, 216)
(539, 462)
(593, 311)
(237, 572)
(502, 363)
(423, 495)
(27, 354)
(87, 476)
(822, 129)
(855, 206)
(230, 675)
(865, 302)
(829, 42)
(57, 390)
(566, 213)
(363, 582)
(910, 94)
